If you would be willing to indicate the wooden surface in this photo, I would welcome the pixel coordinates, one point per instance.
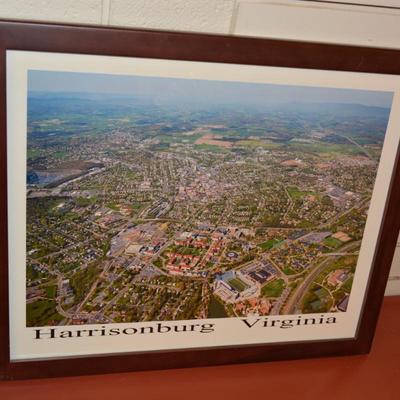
(373, 376)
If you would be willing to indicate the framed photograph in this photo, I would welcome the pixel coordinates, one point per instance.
(177, 199)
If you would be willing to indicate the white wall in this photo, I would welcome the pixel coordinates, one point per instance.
(371, 23)
(322, 22)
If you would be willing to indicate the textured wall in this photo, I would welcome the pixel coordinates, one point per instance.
(291, 19)
(87, 11)
(320, 22)
(193, 15)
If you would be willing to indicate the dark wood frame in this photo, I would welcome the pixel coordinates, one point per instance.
(194, 47)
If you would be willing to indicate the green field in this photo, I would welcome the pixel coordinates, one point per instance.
(274, 288)
(269, 244)
(51, 291)
(41, 313)
(216, 309)
(84, 201)
(324, 148)
(258, 143)
(295, 193)
(185, 250)
(289, 271)
(32, 152)
(347, 285)
(138, 205)
(317, 300)
(114, 206)
(237, 284)
(32, 273)
(158, 262)
(82, 280)
(332, 242)
(210, 147)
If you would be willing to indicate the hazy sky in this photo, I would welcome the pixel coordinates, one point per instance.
(172, 89)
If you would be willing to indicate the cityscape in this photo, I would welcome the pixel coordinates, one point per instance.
(172, 200)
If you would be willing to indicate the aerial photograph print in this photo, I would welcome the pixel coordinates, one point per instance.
(166, 199)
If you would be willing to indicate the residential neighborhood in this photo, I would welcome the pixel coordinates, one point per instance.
(141, 212)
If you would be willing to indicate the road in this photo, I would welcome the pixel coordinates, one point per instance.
(292, 305)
